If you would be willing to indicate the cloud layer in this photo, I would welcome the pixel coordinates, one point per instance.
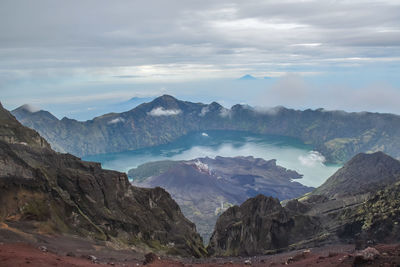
(168, 40)
(61, 50)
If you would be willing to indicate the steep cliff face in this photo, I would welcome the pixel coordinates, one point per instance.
(59, 193)
(11, 131)
(258, 226)
(360, 204)
(337, 135)
(377, 219)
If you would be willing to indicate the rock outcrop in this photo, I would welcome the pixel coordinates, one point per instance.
(259, 226)
(57, 193)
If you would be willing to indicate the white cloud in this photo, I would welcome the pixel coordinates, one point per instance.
(313, 158)
(160, 111)
(204, 111)
(268, 110)
(30, 108)
(225, 112)
(116, 120)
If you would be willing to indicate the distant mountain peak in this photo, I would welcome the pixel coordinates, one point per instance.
(247, 77)
(29, 108)
(165, 101)
(167, 97)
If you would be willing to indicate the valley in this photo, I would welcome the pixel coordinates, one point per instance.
(198, 195)
(205, 187)
(288, 152)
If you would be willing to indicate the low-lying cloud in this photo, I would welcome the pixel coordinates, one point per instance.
(30, 108)
(160, 111)
(204, 111)
(116, 120)
(224, 113)
(313, 158)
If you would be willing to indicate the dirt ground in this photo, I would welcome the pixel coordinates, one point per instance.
(20, 254)
(31, 249)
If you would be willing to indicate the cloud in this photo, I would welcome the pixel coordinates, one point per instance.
(127, 76)
(225, 112)
(268, 110)
(299, 92)
(30, 108)
(313, 158)
(160, 111)
(55, 48)
(239, 34)
(116, 120)
(204, 111)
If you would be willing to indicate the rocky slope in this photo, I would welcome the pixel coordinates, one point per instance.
(330, 256)
(205, 187)
(42, 191)
(376, 170)
(365, 212)
(337, 135)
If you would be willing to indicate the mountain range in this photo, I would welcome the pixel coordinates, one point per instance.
(205, 187)
(338, 135)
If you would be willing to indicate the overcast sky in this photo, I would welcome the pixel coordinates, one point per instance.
(74, 54)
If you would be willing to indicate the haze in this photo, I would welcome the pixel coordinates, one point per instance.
(72, 57)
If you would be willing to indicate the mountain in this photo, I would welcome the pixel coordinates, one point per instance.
(365, 214)
(43, 192)
(336, 134)
(205, 187)
(12, 132)
(376, 170)
(259, 226)
(247, 77)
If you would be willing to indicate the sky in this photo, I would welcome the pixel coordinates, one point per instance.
(72, 57)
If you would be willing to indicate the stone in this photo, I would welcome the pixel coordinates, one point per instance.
(367, 255)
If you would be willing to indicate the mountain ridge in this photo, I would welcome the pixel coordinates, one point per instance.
(337, 135)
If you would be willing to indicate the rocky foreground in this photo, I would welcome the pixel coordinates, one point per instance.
(19, 254)
(45, 193)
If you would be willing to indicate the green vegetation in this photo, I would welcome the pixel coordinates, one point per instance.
(36, 209)
(149, 169)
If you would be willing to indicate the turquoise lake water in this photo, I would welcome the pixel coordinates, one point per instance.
(289, 153)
